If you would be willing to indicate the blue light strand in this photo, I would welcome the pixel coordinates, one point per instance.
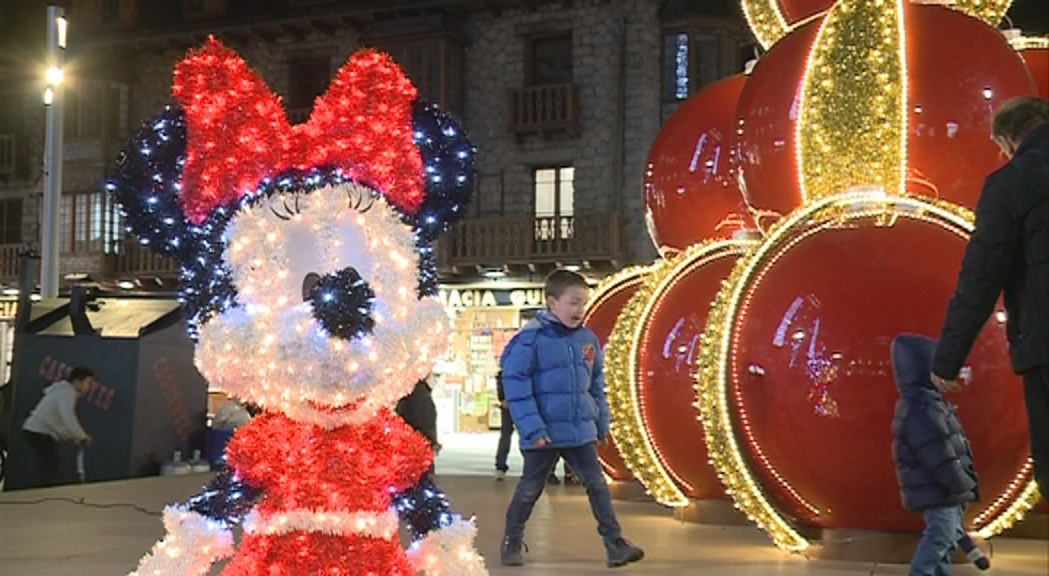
(226, 499)
(424, 508)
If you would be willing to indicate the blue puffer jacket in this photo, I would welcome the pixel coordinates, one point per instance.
(934, 464)
(554, 379)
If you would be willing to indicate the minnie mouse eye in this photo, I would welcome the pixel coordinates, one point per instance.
(309, 284)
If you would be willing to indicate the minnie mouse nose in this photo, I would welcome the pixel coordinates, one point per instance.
(342, 302)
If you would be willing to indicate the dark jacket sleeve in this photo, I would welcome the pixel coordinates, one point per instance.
(418, 411)
(986, 268)
(929, 437)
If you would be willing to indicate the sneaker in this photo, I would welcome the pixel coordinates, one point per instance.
(500, 475)
(553, 479)
(621, 552)
(572, 480)
(510, 553)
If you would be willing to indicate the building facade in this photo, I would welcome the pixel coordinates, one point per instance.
(561, 98)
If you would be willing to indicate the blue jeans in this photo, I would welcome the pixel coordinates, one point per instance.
(537, 467)
(943, 528)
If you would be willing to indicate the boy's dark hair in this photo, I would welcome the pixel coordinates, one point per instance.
(558, 281)
(80, 373)
(1017, 117)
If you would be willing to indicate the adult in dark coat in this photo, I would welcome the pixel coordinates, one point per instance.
(934, 464)
(419, 411)
(1009, 252)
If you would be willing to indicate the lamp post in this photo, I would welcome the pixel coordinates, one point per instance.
(56, 46)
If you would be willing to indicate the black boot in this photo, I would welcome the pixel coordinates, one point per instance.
(510, 554)
(973, 552)
(621, 552)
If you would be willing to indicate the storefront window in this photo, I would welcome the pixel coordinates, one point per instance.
(484, 319)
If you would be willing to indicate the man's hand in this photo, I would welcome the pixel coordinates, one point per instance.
(944, 385)
(86, 440)
(542, 441)
(602, 442)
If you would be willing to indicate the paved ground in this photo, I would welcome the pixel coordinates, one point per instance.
(44, 533)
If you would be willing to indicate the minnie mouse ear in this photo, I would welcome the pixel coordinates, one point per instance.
(146, 185)
(448, 161)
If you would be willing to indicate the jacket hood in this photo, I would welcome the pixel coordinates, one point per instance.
(56, 385)
(912, 365)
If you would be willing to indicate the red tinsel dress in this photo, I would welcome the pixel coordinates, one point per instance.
(311, 477)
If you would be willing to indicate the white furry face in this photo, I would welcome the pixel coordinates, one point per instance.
(273, 350)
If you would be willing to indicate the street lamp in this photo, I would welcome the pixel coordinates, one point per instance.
(56, 46)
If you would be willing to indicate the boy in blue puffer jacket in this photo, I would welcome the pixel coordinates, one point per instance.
(934, 464)
(554, 381)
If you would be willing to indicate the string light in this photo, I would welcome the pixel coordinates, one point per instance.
(990, 11)
(852, 127)
(719, 341)
(622, 372)
(627, 428)
(1021, 43)
(766, 21)
(239, 133)
(304, 257)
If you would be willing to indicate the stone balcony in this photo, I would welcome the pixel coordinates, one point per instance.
(527, 241)
(545, 110)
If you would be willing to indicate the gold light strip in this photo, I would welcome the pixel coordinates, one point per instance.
(644, 458)
(852, 128)
(627, 428)
(990, 11)
(604, 290)
(712, 381)
(766, 21)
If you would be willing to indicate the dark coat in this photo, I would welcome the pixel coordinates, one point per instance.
(934, 464)
(419, 411)
(1009, 251)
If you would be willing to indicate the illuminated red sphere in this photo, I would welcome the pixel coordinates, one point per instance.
(668, 351)
(601, 315)
(766, 123)
(690, 185)
(1037, 61)
(811, 374)
(797, 10)
(960, 72)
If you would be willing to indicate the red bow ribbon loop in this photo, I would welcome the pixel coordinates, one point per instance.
(238, 133)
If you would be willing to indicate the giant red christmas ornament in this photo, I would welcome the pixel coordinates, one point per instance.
(959, 71)
(766, 121)
(665, 356)
(604, 307)
(690, 183)
(802, 361)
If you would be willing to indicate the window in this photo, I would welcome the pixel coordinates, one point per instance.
(554, 203)
(95, 109)
(435, 66)
(11, 221)
(692, 59)
(550, 61)
(307, 79)
(90, 223)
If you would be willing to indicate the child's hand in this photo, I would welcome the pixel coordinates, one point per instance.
(602, 442)
(945, 386)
